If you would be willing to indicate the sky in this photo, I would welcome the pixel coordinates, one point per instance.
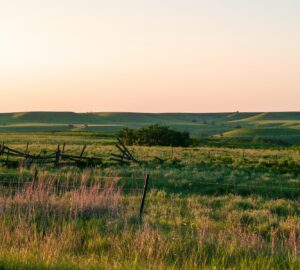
(149, 56)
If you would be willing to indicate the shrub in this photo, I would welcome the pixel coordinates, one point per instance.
(128, 136)
(155, 135)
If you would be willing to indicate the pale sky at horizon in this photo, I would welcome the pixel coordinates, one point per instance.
(150, 56)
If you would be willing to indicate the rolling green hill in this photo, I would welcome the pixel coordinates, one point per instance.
(279, 125)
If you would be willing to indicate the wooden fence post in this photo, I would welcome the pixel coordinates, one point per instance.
(83, 149)
(64, 146)
(26, 150)
(57, 156)
(34, 180)
(144, 196)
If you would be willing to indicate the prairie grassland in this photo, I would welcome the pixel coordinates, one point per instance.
(278, 128)
(207, 208)
(97, 227)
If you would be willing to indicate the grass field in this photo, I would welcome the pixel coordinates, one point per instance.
(283, 127)
(231, 202)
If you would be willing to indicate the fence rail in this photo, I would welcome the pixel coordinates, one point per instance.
(15, 158)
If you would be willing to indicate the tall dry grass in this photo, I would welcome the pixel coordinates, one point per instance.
(50, 197)
(80, 222)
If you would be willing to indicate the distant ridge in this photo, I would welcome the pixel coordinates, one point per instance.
(232, 124)
(108, 117)
(101, 117)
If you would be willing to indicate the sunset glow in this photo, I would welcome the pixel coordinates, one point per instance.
(151, 56)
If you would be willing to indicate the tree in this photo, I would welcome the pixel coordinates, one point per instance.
(155, 135)
(128, 136)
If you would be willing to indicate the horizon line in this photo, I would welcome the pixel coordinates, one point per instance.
(143, 112)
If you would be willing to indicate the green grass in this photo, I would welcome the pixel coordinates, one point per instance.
(268, 132)
(207, 208)
(277, 127)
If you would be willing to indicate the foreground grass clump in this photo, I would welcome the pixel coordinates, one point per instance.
(46, 225)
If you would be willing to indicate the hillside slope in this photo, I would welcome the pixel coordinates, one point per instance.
(229, 125)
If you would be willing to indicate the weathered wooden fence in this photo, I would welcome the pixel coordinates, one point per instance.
(16, 158)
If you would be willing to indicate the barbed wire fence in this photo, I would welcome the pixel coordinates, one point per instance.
(58, 184)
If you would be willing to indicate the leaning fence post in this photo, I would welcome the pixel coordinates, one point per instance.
(83, 149)
(144, 196)
(26, 150)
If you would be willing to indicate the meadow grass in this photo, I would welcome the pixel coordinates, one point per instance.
(98, 228)
(207, 208)
(212, 125)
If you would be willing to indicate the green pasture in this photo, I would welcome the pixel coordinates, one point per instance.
(240, 126)
(226, 203)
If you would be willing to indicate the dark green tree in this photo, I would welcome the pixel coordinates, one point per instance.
(155, 135)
